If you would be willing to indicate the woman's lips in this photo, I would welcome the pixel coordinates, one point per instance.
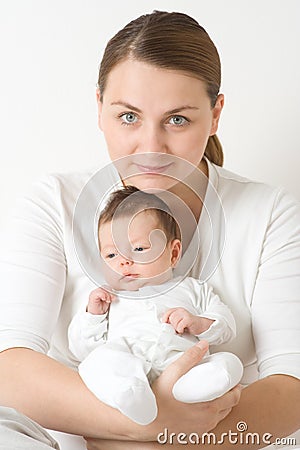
(153, 169)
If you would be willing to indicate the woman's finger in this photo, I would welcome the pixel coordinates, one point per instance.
(189, 359)
(229, 400)
(224, 413)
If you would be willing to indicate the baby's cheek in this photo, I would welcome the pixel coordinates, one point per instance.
(110, 272)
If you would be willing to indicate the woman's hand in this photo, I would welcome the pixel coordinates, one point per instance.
(176, 416)
(187, 417)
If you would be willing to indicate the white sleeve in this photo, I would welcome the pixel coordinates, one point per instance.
(276, 297)
(86, 332)
(32, 270)
(223, 328)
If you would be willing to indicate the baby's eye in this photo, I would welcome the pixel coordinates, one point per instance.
(139, 249)
(128, 118)
(178, 120)
(110, 255)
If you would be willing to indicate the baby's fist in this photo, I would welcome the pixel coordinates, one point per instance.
(99, 301)
(179, 318)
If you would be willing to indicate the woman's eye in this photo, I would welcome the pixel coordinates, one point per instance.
(128, 118)
(178, 120)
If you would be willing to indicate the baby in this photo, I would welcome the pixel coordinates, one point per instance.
(132, 329)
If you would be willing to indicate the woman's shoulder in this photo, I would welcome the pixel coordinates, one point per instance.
(66, 187)
(232, 181)
(253, 198)
(58, 182)
(68, 182)
(234, 187)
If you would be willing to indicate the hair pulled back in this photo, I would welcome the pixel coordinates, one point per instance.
(169, 40)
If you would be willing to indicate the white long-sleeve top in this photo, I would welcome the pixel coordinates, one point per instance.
(138, 316)
(258, 273)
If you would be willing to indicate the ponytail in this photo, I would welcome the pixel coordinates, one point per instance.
(214, 151)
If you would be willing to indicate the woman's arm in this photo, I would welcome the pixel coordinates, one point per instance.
(261, 408)
(270, 405)
(54, 396)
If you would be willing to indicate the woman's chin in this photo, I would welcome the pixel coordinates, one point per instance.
(147, 181)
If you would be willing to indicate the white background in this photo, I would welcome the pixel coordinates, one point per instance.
(50, 52)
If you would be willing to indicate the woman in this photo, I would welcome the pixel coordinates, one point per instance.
(158, 98)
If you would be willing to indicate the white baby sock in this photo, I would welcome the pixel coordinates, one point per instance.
(137, 401)
(118, 378)
(215, 375)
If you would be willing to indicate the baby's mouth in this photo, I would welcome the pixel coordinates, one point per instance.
(130, 275)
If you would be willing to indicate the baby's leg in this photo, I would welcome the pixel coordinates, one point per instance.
(118, 378)
(215, 375)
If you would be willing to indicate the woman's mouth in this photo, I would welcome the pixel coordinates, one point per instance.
(153, 169)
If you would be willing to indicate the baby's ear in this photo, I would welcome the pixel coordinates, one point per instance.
(176, 249)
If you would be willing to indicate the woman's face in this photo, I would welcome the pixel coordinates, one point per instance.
(151, 114)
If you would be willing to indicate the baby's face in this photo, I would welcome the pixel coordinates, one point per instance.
(136, 252)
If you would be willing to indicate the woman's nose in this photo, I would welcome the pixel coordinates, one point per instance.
(152, 140)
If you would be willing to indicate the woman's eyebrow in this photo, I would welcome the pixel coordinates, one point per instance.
(172, 111)
(181, 108)
(127, 105)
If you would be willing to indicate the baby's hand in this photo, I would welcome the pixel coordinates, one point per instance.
(99, 301)
(183, 321)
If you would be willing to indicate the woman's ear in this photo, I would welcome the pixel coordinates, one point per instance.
(176, 248)
(216, 113)
(99, 106)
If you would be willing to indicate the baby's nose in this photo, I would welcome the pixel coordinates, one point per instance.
(126, 262)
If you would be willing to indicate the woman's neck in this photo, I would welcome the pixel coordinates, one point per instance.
(192, 189)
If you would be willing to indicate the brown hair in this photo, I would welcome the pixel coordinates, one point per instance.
(173, 41)
(129, 201)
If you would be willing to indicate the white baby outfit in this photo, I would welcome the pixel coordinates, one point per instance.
(119, 352)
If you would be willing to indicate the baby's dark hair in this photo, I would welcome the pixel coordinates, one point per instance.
(129, 201)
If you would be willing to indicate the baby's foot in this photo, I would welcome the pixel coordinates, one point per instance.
(137, 402)
(217, 374)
